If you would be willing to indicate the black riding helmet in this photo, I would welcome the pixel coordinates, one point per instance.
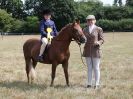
(47, 12)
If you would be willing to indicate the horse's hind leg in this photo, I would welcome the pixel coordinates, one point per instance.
(30, 70)
(65, 68)
(28, 61)
(34, 63)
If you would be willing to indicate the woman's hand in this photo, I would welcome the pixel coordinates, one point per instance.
(96, 43)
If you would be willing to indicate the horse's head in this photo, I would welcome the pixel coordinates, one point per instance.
(77, 33)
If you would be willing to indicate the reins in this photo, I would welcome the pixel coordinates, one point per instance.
(81, 56)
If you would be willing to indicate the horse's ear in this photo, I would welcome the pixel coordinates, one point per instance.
(77, 21)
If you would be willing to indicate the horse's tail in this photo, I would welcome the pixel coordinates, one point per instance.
(30, 64)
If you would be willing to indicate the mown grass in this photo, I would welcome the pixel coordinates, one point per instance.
(116, 72)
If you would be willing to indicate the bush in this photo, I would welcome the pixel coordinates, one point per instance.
(124, 25)
(5, 21)
(31, 25)
(120, 25)
(106, 24)
(17, 26)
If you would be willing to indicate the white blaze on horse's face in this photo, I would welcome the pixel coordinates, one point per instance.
(78, 33)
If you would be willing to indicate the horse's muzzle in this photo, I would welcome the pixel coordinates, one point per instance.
(83, 39)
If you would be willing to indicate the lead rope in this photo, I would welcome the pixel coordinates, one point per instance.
(81, 56)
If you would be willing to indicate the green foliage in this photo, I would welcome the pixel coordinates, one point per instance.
(18, 17)
(115, 13)
(89, 7)
(120, 25)
(125, 25)
(18, 26)
(63, 10)
(116, 2)
(31, 25)
(129, 3)
(8, 24)
(106, 24)
(64, 13)
(5, 21)
(15, 7)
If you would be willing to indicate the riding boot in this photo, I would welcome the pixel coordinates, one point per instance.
(41, 56)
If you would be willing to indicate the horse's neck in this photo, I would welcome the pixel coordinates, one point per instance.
(64, 38)
(64, 35)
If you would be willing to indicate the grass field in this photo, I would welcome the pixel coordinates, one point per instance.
(116, 72)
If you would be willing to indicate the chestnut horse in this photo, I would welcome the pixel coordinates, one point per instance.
(57, 53)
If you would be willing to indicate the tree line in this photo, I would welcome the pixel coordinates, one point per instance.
(19, 17)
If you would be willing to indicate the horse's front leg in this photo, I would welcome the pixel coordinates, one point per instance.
(54, 65)
(65, 68)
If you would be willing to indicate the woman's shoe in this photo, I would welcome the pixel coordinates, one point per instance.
(88, 86)
(96, 87)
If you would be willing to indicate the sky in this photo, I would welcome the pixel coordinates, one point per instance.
(105, 2)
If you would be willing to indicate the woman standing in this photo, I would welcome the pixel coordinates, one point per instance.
(94, 35)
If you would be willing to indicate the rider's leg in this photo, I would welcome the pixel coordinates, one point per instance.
(43, 46)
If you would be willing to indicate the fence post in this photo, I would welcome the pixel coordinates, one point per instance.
(1, 35)
(113, 34)
(22, 34)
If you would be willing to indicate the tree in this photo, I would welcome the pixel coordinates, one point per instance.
(129, 3)
(31, 25)
(63, 10)
(5, 21)
(15, 7)
(18, 26)
(31, 5)
(89, 7)
(116, 2)
(120, 2)
(116, 13)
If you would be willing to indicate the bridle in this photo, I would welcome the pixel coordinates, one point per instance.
(77, 40)
(78, 36)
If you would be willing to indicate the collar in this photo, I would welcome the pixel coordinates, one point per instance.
(92, 26)
(47, 20)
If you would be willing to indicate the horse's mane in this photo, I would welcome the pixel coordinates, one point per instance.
(66, 26)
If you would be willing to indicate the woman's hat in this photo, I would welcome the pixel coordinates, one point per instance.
(90, 17)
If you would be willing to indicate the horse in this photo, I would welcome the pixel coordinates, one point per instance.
(57, 53)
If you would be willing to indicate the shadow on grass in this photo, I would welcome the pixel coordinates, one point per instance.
(23, 85)
(73, 86)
